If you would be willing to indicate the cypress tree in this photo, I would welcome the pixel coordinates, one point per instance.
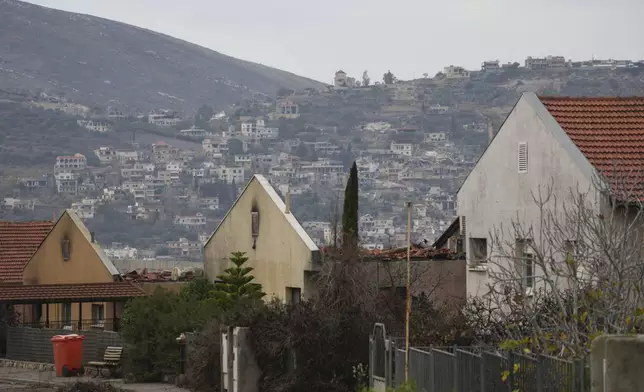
(350, 211)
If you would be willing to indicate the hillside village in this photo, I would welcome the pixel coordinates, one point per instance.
(174, 175)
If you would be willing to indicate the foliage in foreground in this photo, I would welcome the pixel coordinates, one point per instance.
(151, 325)
(405, 387)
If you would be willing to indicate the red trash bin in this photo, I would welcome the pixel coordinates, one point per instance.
(68, 354)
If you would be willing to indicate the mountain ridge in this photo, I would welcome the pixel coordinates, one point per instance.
(105, 62)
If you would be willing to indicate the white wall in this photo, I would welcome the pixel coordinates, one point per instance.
(495, 194)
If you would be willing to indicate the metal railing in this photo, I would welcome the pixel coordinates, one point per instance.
(75, 325)
(466, 369)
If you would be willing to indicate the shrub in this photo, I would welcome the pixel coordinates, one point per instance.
(203, 369)
(150, 326)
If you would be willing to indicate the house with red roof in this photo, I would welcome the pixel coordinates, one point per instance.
(574, 146)
(55, 275)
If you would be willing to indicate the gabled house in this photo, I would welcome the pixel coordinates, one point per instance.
(260, 224)
(55, 275)
(567, 143)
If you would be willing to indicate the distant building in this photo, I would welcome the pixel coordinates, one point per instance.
(556, 61)
(197, 221)
(164, 119)
(214, 146)
(402, 148)
(230, 174)
(287, 109)
(194, 132)
(340, 79)
(70, 163)
(435, 137)
(95, 125)
(536, 63)
(456, 72)
(490, 66)
(106, 155)
(85, 209)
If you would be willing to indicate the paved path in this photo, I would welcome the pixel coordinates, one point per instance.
(15, 379)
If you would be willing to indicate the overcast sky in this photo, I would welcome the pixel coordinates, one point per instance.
(315, 38)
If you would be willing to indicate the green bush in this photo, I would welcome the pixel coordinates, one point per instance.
(150, 326)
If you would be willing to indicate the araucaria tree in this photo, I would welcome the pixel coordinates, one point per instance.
(350, 211)
(237, 283)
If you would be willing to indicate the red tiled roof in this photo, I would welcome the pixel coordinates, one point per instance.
(18, 242)
(610, 133)
(70, 292)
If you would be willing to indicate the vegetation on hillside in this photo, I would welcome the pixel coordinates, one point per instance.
(129, 65)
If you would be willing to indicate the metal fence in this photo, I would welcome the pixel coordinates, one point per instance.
(469, 369)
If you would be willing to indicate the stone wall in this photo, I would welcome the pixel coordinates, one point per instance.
(616, 363)
(34, 344)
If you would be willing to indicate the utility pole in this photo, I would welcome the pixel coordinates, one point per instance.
(408, 292)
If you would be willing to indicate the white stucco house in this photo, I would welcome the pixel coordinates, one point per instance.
(566, 142)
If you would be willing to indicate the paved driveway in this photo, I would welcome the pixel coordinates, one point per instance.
(16, 379)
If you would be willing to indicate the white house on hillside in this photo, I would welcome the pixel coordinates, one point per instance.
(565, 142)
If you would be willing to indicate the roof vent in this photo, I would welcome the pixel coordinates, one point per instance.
(523, 157)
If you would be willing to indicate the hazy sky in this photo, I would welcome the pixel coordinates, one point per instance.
(314, 38)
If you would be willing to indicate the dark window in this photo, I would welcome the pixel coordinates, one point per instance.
(295, 294)
(98, 313)
(255, 223)
(37, 312)
(65, 247)
(67, 313)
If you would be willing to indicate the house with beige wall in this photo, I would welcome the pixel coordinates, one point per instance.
(573, 145)
(260, 224)
(54, 274)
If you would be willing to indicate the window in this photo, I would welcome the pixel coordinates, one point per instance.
(528, 260)
(37, 312)
(67, 313)
(525, 262)
(255, 223)
(462, 226)
(65, 248)
(293, 295)
(98, 313)
(523, 157)
(478, 250)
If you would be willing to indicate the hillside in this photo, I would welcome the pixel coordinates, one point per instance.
(102, 62)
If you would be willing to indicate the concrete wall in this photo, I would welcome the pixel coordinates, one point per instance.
(442, 280)
(34, 345)
(616, 363)
(495, 194)
(280, 257)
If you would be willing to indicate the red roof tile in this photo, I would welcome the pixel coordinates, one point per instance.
(610, 133)
(18, 242)
(70, 292)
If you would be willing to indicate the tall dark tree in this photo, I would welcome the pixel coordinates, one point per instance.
(350, 211)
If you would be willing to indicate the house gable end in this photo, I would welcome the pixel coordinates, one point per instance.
(67, 255)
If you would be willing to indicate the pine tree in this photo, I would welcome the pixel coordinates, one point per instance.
(350, 211)
(236, 283)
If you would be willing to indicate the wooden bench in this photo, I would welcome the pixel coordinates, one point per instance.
(109, 366)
